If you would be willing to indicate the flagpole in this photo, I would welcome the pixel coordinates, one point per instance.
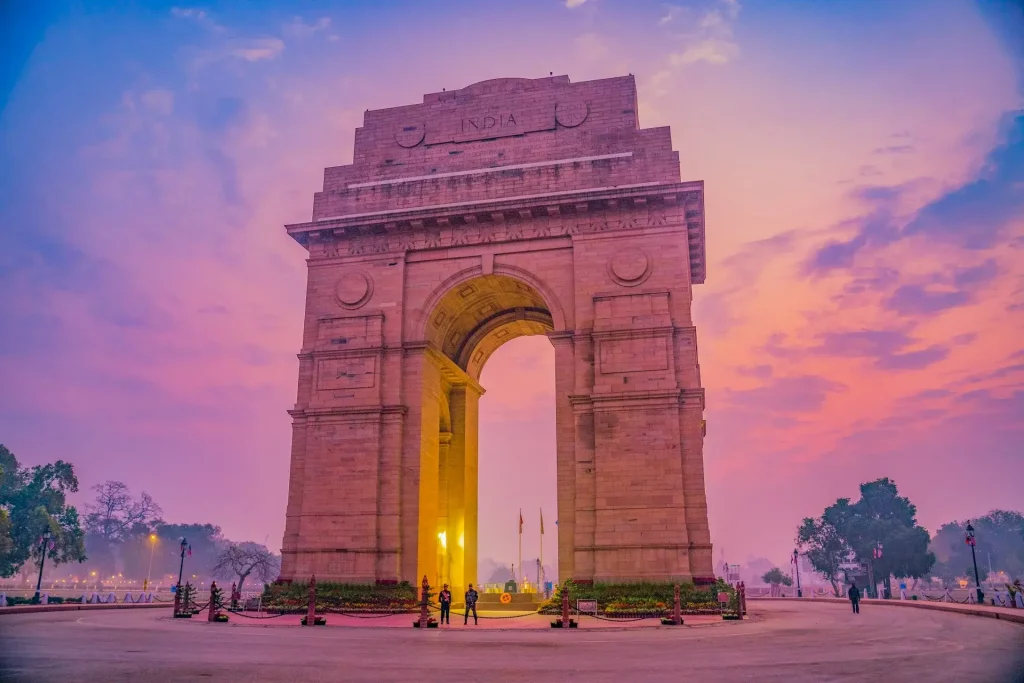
(519, 580)
(540, 559)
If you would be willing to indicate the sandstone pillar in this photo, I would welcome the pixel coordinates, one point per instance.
(465, 411)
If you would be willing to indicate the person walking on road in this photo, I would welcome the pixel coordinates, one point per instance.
(445, 597)
(854, 594)
(471, 598)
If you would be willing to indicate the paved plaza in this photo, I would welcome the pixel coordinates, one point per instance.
(783, 642)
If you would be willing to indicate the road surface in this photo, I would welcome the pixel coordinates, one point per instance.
(785, 642)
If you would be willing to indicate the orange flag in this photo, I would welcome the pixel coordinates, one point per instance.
(520, 521)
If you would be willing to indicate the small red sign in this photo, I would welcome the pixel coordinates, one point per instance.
(723, 597)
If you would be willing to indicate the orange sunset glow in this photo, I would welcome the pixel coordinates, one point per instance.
(861, 318)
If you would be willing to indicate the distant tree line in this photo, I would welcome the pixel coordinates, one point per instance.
(999, 538)
(120, 534)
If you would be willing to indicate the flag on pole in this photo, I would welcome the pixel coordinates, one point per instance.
(542, 522)
(189, 551)
(520, 521)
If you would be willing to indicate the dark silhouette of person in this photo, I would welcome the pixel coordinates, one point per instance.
(445, 597)
(471, 598)
(854, 594)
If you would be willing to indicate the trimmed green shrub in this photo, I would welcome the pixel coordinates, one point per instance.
(643, 597)
(357, 597)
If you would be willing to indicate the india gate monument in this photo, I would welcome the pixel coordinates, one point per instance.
(510, 207)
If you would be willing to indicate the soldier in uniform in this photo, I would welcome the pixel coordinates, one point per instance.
(471, 598)
(445, 597)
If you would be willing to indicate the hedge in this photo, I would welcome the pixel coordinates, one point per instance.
(642, 597)
(353, 596)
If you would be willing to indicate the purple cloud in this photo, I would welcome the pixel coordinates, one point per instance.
(928, 395)
(976, 275)
(913, 360)
(918, 300)
(759, 371)
(863, 343)
(888, 349)
(877, 228)
(998, 373)
(973, 216)
(803, 394)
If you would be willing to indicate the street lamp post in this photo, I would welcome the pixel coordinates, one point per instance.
(42, 560)
(977, 580)
(149, 572)
(796, 565)
(181, 567)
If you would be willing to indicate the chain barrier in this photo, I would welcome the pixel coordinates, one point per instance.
(625, 619)
(366, 615)
(639, 616)
(510, 616)
(269, 616)
(241, 612)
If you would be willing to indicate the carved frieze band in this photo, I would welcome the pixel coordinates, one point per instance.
(506, 229)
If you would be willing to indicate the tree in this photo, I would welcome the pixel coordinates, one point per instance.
(114, 519)
(880, 529)
(34, 501)
(116, 514)
(824, 547)
(6, 542)
(244, 559)
(775, 578)
(882, 519)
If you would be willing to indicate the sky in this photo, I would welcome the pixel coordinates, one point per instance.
(864, 174)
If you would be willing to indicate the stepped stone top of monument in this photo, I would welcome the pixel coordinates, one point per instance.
(506, 138)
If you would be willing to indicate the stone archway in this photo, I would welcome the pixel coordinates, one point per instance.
(467, 319)
(443, 241)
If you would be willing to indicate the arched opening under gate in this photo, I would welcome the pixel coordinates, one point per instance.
(464, 328)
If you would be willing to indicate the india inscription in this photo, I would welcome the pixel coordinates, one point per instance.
(481, 123)
(482, 215)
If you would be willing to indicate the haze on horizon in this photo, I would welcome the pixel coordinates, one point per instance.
(864, 170)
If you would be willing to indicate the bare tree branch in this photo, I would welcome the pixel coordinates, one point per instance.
(115, 512)
(242, 560)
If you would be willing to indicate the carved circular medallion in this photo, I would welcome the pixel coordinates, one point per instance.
(629, 267)
(411, 135)
(571, 114)
(353, 290)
